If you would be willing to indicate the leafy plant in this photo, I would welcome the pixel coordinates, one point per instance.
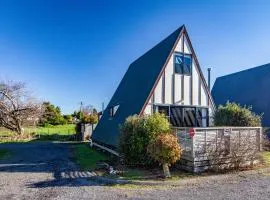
(91, 119)
(52, 115)
(135, 135)
(166, 150)
(233, 114)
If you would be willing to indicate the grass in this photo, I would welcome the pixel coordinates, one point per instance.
(133, 174)
(59, 129)
(266, 157)
(56, 133)
(86, 157)
(59, 132)
(4, 153)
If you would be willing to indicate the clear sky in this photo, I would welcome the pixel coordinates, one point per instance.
(72, 51)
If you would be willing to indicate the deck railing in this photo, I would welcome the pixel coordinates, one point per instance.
(199, 143)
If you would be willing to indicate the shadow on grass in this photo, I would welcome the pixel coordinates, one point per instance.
(54, 137)
(30, 138)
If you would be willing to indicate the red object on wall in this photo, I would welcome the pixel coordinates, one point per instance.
(191, 132)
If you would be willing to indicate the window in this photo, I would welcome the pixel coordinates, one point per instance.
(188, 116)
(113, 110)
(182, 64)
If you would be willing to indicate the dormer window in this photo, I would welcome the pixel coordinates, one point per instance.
(182, 64)
(113, 110)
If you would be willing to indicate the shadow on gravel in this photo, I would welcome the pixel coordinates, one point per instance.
(76, 179)
(49, 157)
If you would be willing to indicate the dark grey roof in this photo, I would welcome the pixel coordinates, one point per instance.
(248, 87)
(134, 89)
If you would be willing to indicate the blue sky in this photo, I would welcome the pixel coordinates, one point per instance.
(72, 51)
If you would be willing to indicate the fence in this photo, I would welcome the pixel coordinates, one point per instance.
(204, 148)
(87, 130)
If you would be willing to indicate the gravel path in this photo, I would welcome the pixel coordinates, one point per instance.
(45, 171)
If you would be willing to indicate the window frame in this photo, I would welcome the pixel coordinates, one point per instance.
(199, 120)
(113, 110)
(183, 55)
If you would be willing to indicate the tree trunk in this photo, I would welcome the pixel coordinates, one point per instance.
(166, 170)
(20, 129)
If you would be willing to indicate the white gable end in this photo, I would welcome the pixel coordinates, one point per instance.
(180, 89)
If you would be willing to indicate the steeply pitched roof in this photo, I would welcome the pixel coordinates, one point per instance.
(134, 89)
(248, 87)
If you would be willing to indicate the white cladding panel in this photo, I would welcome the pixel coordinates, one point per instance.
(179, 46)
(148, 108)
(177, 89)
(158, 91)
(187, 90)
(168, 81)
(186, 47)
(204, 98)
(195, 84)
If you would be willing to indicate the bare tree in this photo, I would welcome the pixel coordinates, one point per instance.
(17, 106)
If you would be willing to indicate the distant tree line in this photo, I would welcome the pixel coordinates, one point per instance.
(52, 115)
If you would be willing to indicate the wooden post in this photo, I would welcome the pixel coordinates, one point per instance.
(205, 143)
(259, 138)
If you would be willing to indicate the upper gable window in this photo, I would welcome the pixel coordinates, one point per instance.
(182, 64)
(113, 110)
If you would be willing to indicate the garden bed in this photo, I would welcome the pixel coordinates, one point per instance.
(94, 159)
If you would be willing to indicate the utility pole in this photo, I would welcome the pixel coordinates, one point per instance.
(102, 107)
(209, 77)
(81, 109)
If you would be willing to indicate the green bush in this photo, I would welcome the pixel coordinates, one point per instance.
(233, 114)
(135, 135)
(91, 119)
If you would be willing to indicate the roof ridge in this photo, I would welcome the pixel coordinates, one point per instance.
(245, 70)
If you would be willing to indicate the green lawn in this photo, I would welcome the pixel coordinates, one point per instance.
(86, 157)
(266, 157)
(56, 133)
(60, 132)
(4, 153)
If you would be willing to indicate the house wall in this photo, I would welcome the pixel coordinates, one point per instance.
(194, 92)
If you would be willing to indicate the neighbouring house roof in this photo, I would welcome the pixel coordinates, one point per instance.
(249, 87)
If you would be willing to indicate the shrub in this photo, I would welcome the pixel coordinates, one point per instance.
(233, 114)
(91, 119)
(166, 150)
(135, 135)
(266, 139)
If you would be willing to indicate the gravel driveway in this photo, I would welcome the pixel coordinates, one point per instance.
(44, 171)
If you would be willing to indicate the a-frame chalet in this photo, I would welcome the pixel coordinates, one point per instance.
(167, 79)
